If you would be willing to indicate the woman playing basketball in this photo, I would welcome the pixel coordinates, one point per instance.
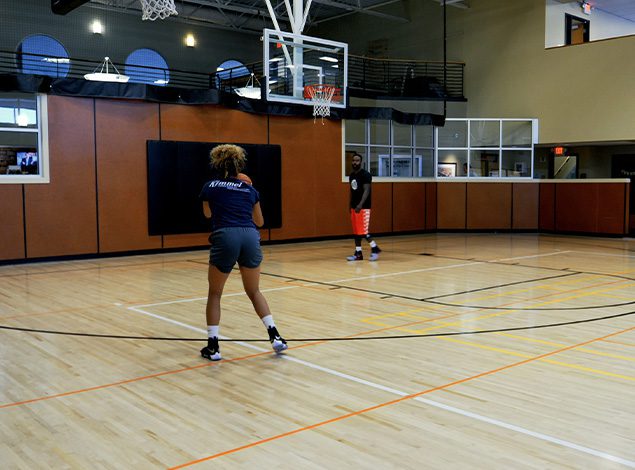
(233, 206)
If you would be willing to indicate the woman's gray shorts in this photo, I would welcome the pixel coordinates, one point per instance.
(231, 244)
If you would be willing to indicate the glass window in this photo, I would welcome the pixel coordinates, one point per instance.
(453, 134)
(424, 136)
(517, 133)
(449, 162)
(427, 162)
(484, 133)
(379, 132)
(147, 66)
(23, 139)
(516, 163)
(484, 163)
(401, 134)
(378, 156)
(231, 69)
(477, 148)
(356, 131)
(42, 55)
(18, 110)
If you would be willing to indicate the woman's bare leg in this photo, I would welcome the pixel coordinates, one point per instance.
(251, 283)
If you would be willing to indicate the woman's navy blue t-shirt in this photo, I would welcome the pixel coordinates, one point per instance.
(231, 202)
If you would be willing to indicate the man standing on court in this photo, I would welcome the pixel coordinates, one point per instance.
(360, 181)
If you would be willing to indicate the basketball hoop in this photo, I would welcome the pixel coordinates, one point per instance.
(322, 97)
(155, 9)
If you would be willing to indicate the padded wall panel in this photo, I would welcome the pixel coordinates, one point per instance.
(208, 123)
(525, 206)
(12, 226)
(546, 207)
(381, 218)
(122, 130)
(61, 217)
(431, 206)
(451, 206)
(489, 206)
(409, 206)
(577, 207)
(314, 199)
(591, 208)
(613, 200)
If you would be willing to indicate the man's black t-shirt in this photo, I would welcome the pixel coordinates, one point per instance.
(357, 182)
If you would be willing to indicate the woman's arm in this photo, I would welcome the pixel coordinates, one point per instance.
(206, 210)
(259, 220)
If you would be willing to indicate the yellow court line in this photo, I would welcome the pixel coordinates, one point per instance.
(565, 292)
(550, 286)
(549, 361)
(553, 343)
(389, 403)
(506, 312)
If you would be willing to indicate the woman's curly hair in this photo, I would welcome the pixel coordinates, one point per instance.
(228, 159)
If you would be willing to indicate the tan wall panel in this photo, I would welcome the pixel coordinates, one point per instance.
(451, 206)
(525, 206)
(61, 217)
(489, 206)
(431, 206)
(122, 130)
(12, 222)
(546, 209)
(409, 206)
(210, 123)
(314, 200)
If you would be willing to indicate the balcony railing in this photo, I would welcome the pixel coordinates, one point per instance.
(367, 77)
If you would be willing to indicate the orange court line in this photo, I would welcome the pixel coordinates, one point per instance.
(135, 379)
(186, 369)
(392, 402)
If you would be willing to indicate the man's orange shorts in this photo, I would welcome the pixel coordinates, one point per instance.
(360, 221)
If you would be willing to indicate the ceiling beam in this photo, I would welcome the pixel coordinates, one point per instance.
(356, 9)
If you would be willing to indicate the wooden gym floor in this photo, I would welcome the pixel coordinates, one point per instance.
(520, 395)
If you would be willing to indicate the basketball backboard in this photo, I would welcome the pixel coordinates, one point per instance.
(294, 61)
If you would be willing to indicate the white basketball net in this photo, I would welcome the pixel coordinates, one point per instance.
(155, 9)
(322, 97)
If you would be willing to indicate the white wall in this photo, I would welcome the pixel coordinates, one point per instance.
(602, 25)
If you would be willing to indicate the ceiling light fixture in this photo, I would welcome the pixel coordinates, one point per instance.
(106, 76)
(190, 40)
(96, 27)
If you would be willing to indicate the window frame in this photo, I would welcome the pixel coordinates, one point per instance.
(43, 175)
(503, 149)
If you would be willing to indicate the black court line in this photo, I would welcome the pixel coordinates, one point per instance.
(430, 300)
(306, 340)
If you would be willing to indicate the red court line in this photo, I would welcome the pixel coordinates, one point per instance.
(392, 402)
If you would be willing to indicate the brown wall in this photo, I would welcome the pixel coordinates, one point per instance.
(489, 205)
(61, 217)
(12, 226)
(96, 201)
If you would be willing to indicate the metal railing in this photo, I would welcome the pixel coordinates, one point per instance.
(367, 77)
(63, 67)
